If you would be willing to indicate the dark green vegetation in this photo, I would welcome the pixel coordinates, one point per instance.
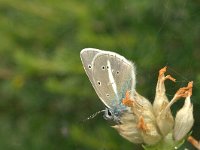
(44, 92)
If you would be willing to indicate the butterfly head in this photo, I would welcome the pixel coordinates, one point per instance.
(111, 115)
(114, 114)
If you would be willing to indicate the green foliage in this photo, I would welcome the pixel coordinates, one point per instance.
(45, 93)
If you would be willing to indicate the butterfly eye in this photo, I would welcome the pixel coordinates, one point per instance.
(89, 66)
(117, 72)
(103, 67)
(99, 83)
(109, 113)
(107, 67)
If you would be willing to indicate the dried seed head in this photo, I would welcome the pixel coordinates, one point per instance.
(149, 131)
(144, 123)
(165, 122)
(184, 120)
(145, 118)
(164, 118)
(128, 128)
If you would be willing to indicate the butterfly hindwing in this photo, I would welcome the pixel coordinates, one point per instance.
(113, 75)
(87, 56)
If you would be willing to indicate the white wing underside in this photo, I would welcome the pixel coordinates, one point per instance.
(110, 74)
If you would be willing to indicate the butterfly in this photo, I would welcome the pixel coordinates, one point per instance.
(111, 76)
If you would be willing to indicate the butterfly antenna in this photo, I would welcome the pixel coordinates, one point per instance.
(94, 115)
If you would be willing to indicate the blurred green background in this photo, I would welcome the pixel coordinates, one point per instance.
(45, 95)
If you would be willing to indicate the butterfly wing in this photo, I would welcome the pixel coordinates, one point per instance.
(87, 55)
(113, 75)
